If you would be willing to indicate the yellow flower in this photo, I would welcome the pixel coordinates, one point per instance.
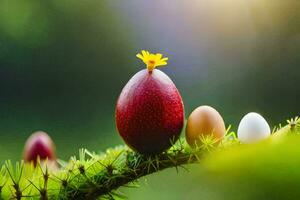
(152, 60)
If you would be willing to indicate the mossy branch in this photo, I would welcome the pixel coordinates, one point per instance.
(131, 168)
(92, 175)
(100, 175)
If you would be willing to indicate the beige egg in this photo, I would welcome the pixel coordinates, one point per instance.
(204, 121)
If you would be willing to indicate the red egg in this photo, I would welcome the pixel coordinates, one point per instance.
(39, 145)
(150, 112)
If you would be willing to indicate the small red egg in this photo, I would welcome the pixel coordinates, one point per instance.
(39, 145)
(204, 121)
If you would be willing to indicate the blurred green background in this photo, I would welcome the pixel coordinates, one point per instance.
(63, 64)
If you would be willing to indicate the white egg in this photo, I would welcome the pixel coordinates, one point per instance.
(253, 128)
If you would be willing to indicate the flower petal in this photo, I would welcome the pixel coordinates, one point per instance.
(139, 56)
(165, 59)
(145, 53)
(158, 56)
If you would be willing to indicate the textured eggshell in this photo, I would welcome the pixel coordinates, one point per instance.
(39, 144)
(204, 121)
(150, 112)
(253, 128)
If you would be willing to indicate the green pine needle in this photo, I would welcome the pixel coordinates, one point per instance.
(92, 175)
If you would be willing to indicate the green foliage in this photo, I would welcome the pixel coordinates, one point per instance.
(92, 176)
(89, 176)
(266, 170)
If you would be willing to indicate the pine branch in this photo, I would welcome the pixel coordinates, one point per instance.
(92, 175)
(136, 167)
(100, 175)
